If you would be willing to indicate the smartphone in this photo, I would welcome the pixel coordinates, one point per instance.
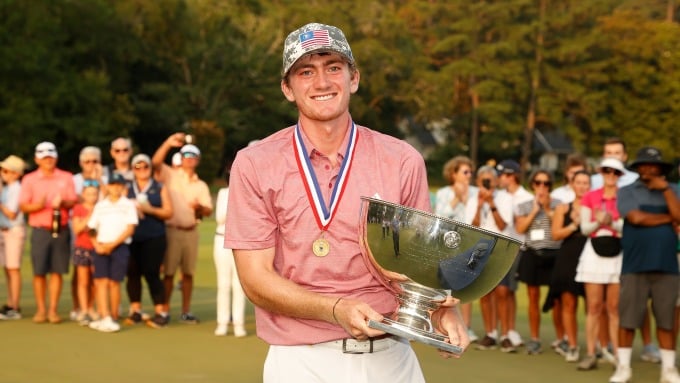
(486, 183)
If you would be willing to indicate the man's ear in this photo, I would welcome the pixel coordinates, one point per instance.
(287, 92)
(354, 82)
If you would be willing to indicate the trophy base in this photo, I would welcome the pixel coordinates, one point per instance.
(429, 338)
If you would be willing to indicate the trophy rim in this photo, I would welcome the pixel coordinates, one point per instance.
(452, 221)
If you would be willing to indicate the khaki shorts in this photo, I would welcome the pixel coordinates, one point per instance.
(638, 288)
(182, 251)
(12, 247)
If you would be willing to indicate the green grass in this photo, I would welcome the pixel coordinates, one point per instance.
(186, 353)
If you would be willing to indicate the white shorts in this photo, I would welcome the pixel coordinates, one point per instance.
(593, 268)
(318, 363)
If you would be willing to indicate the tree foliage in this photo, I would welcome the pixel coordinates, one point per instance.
(82, 72)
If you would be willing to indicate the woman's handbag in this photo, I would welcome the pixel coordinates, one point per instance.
(607, 246)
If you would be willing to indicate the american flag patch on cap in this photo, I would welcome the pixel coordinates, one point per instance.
(315, 38)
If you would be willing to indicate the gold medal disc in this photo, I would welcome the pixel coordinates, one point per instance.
(321, 247)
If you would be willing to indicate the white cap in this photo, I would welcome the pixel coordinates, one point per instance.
(189, 148)
(612, 163)
(141, 158)
(45, 149)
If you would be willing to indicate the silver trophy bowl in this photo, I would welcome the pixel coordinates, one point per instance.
(440, 257)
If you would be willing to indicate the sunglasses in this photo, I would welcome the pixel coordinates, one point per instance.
(611, 171)
(541, 183)
(141, 166)
(91, 161)
(124, 150)
(90, 183)
(189, 155)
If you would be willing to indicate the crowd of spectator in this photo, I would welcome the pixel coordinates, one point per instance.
(610, 237)
(131, 219)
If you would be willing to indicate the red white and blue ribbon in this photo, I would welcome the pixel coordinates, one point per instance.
(323, 213)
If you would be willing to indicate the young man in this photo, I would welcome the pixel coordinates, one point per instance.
(513, 194)
(574, 163)
(651, 210)
(312, 307)
(191, 200)
(47, 195)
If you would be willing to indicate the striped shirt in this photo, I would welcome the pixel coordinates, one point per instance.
(539, 234)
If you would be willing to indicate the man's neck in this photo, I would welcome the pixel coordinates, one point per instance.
(121, 166)
(326, 136)
(46, 171)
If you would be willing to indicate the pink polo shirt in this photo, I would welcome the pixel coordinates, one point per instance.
(268, 207)
(36, 185)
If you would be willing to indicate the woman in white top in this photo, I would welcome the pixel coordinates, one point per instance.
(227, 277)
(450, 203)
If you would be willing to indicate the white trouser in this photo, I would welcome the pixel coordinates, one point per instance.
(319, 363)
(228, 282)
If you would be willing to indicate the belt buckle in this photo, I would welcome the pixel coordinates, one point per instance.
(357, 349)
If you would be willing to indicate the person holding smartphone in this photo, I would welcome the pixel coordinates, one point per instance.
(488, 212)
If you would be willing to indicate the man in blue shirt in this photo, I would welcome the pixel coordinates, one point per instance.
(650, 207)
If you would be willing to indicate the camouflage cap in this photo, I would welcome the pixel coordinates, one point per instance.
(312, 38)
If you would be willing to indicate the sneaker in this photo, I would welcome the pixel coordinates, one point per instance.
(188, 318)
(105, 325)
(239, 331)
(158, 321)
(73, 315)
(487, 343)
(134, 318)
(588, 363)
(471, 334)
(561, 346)
(606, 355)
(534, 347)
(83, 319)
(670, 375)
(221, 330)
(623, 374)
(11, 314)
(507, 346)
(650, 353)
(572, 355)
(5, 309)
(515, 338)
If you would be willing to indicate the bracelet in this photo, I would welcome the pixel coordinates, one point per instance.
(335, 304)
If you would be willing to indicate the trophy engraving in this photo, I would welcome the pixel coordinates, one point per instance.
(440, 256)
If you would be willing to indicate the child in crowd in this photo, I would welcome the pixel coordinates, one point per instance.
(12, 234)
(112, 224)
(83, 250)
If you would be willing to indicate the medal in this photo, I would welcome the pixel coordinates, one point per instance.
(321, 247)
(322, 213)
